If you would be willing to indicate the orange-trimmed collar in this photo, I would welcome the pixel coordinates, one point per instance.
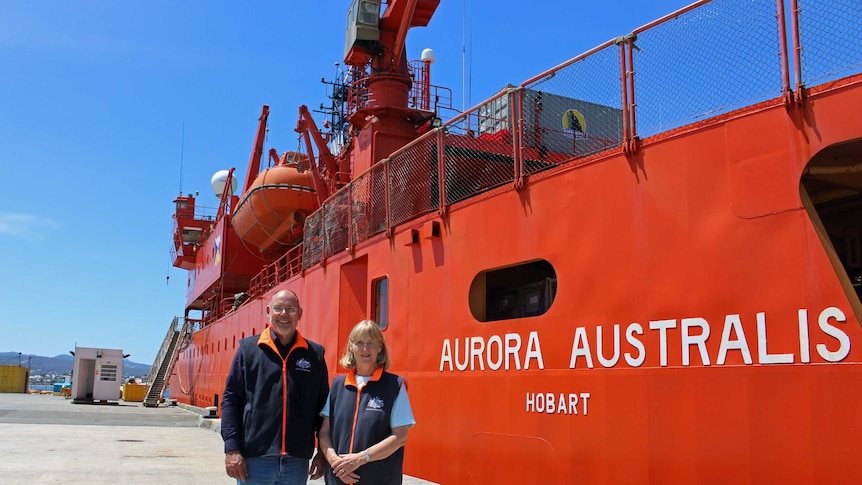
(266, 338)
(351, 377)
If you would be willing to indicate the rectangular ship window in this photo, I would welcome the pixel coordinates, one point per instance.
(380, 294)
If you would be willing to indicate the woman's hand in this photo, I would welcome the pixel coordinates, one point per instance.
(345, 465)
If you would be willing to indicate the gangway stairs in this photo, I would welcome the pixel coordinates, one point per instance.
(157, 379)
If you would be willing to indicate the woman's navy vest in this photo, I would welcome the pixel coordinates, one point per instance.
(369, 423)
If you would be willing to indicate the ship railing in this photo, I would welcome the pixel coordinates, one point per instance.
(433, 98)
(700, 62)
(357, 90)
(194, 211)
(423, 94)
(212, 309)
(832, 31)
(203, 213)
(194, 324)
(280, 270)
(229, 304)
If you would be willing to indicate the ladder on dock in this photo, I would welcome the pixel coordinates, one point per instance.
(157, 379)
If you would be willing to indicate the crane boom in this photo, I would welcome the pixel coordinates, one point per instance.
(256, 150)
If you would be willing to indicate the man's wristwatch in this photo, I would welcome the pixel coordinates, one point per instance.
(367, 456)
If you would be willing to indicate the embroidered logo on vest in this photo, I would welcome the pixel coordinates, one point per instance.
(303, 365)
(375, 404)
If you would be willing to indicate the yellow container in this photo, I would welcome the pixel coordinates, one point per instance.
(134, 392)
(13, 378)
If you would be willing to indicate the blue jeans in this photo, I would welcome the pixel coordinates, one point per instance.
(276, 470)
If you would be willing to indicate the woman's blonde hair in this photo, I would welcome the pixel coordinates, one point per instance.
(365, 331)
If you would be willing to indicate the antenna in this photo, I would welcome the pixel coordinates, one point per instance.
(182, 153)
(470, 71)
(464, 56)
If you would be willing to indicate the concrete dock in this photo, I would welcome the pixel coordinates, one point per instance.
(46, 439)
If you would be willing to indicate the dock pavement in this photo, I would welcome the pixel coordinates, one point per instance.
(46, 439)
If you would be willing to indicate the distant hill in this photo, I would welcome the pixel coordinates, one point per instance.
(62, 364)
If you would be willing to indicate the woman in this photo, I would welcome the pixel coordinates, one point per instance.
(365, 442)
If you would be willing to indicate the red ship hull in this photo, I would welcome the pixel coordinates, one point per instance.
(703, 325)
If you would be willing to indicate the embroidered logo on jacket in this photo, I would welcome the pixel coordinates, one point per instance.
(375, 404)
(303, 365)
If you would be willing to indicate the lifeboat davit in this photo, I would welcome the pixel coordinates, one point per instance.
(271, 214)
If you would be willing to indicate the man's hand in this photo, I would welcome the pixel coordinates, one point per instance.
(234, 464)
(318, 466)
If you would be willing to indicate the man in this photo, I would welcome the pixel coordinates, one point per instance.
(275, 389)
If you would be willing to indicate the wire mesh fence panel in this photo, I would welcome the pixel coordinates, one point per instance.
(478, 150)
(335, 223)
(830, 34)
(312, 245)
(360, 207)
(413, 186)
(377, 211)
(573, 112)
(716, 58)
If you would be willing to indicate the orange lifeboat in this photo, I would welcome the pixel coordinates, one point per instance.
(272, 212)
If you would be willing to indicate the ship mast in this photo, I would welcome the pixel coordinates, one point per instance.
(379, 90)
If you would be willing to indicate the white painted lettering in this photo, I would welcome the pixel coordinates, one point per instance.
(763, 355)
(635, 328)
(446, 355)
(477, 350)
(662, 326)
(534, 351)
(691, 334)
(581, 348)
(600, 346)
(513, 345)
(458, 363)
(584, 397)
(495, 341)
(573, 403)
(804, 346)
(556, 403)
(834, 332)
(732, 322)
(700, 340)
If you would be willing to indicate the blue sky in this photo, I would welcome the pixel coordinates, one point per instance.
(95, 97)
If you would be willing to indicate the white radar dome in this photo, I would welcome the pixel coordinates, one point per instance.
(220, 179)
(427, 55)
